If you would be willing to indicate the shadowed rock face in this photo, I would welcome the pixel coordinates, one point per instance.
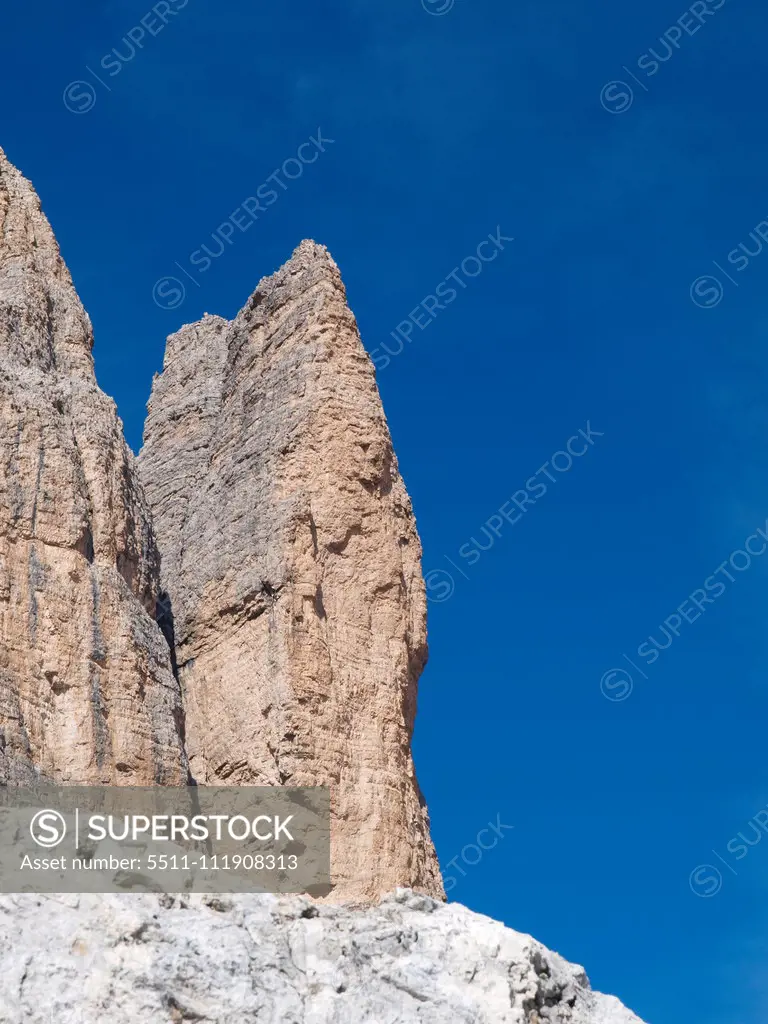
(292, 561)
(86, 688)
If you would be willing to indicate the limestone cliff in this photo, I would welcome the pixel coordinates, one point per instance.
(292, 564)
(86, 688)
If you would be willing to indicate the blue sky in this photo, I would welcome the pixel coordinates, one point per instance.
(620, 197)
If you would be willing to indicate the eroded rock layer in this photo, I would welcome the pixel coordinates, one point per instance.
(86, 688)
(292, 562)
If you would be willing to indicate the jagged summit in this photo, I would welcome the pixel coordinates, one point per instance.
(42, 321)
(309, 249)
(309, 266)
(310, 261)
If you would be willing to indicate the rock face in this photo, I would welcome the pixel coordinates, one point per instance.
(87, 694)
(293, 610)
(293, 604)
(292, 564)
(271, 960)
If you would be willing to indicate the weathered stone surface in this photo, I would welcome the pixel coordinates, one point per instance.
(292, 561)
(271, 960)
(86, 688)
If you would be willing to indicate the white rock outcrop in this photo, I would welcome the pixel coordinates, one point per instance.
(145, 959)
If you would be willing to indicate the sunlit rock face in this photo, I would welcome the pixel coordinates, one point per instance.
(293, 566)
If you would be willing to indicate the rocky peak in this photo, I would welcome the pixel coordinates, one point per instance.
(42, 321)
(292, 563)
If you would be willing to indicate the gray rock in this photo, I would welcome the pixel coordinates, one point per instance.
(278, 960)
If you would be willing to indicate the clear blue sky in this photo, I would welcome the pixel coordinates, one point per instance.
(445, 127)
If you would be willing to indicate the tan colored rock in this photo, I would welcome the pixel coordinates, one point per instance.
(292, 561)
(86, 688)
(295, 606)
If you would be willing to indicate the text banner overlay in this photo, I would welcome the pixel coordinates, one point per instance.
(194, 839)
